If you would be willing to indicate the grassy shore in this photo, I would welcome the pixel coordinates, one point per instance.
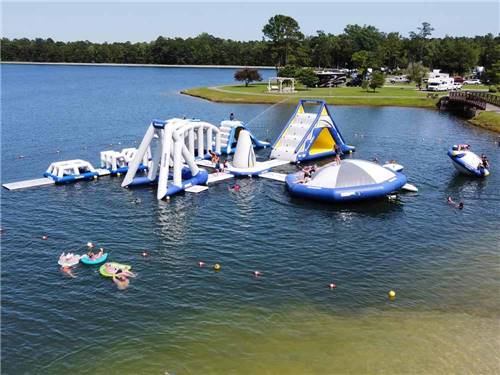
(401, 95)
(487, 120)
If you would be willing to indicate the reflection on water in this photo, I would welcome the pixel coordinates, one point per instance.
(180, 318)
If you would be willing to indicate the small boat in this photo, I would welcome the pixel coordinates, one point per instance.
(467, 162)
(351, 180)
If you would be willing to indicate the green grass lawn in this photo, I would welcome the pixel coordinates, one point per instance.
(257, 93)
(333, 91)
(487, 120)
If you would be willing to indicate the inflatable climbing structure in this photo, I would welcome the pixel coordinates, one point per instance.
(309, 135)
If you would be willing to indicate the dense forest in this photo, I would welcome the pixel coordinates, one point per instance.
(282, 44)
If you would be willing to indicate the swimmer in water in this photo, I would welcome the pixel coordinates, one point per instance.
(121, 282)
(235, 187)
(460, 205)
(67, 271)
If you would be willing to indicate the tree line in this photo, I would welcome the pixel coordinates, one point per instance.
(283, 44)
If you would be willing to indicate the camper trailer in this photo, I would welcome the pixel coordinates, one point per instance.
(440, 81)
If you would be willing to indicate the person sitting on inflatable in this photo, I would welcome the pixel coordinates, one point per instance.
(308, 171)
(485, 161)
(92, 256)
(115, 271)
(464, 147)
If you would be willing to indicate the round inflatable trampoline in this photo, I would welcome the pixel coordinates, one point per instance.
(467, 162)
(352, 180)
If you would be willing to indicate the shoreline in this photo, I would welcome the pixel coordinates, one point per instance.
(137, 65)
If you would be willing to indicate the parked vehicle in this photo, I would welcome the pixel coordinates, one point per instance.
(457, 86)
(399, 79)
(440, 81)
(459, 79)
(472, 82)
(356, 81)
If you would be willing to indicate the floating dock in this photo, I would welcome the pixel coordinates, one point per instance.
(274, 176)
(29, 183)
(217, 177)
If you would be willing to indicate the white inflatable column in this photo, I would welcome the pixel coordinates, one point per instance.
(244, 156)
(134, 165)
(153, 170)
(178, 161)
(217, 142)
(201, 153)
(191, 141)
(209, 139)
(164, 162)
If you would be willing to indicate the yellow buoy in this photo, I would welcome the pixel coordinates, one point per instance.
(216, 267)
(392, 294)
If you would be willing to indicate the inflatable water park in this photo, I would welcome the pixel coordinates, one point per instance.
(184, 155)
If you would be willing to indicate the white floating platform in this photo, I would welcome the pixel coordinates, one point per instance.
(196, 189)
(274, 163)
(216, 177)
(204, 163)
(274, 176)
(102, 172)
(29, 183)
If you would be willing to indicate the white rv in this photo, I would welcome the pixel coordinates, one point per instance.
(440, 81)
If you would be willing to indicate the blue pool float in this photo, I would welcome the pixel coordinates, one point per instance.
(85, 259)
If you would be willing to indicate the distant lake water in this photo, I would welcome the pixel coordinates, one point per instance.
(178, 318)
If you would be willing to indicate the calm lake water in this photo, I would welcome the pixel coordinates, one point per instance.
(179, 318)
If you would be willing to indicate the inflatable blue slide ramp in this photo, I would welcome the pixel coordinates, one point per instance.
(311, 133)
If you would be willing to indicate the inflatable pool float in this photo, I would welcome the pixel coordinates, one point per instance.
(352, 180)
(85, 259)
(467, 162)
(68, 260)
(103, 272)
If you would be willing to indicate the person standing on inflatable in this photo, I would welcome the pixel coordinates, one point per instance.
(338, 152)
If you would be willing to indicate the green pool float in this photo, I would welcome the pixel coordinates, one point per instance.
(103, 272)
